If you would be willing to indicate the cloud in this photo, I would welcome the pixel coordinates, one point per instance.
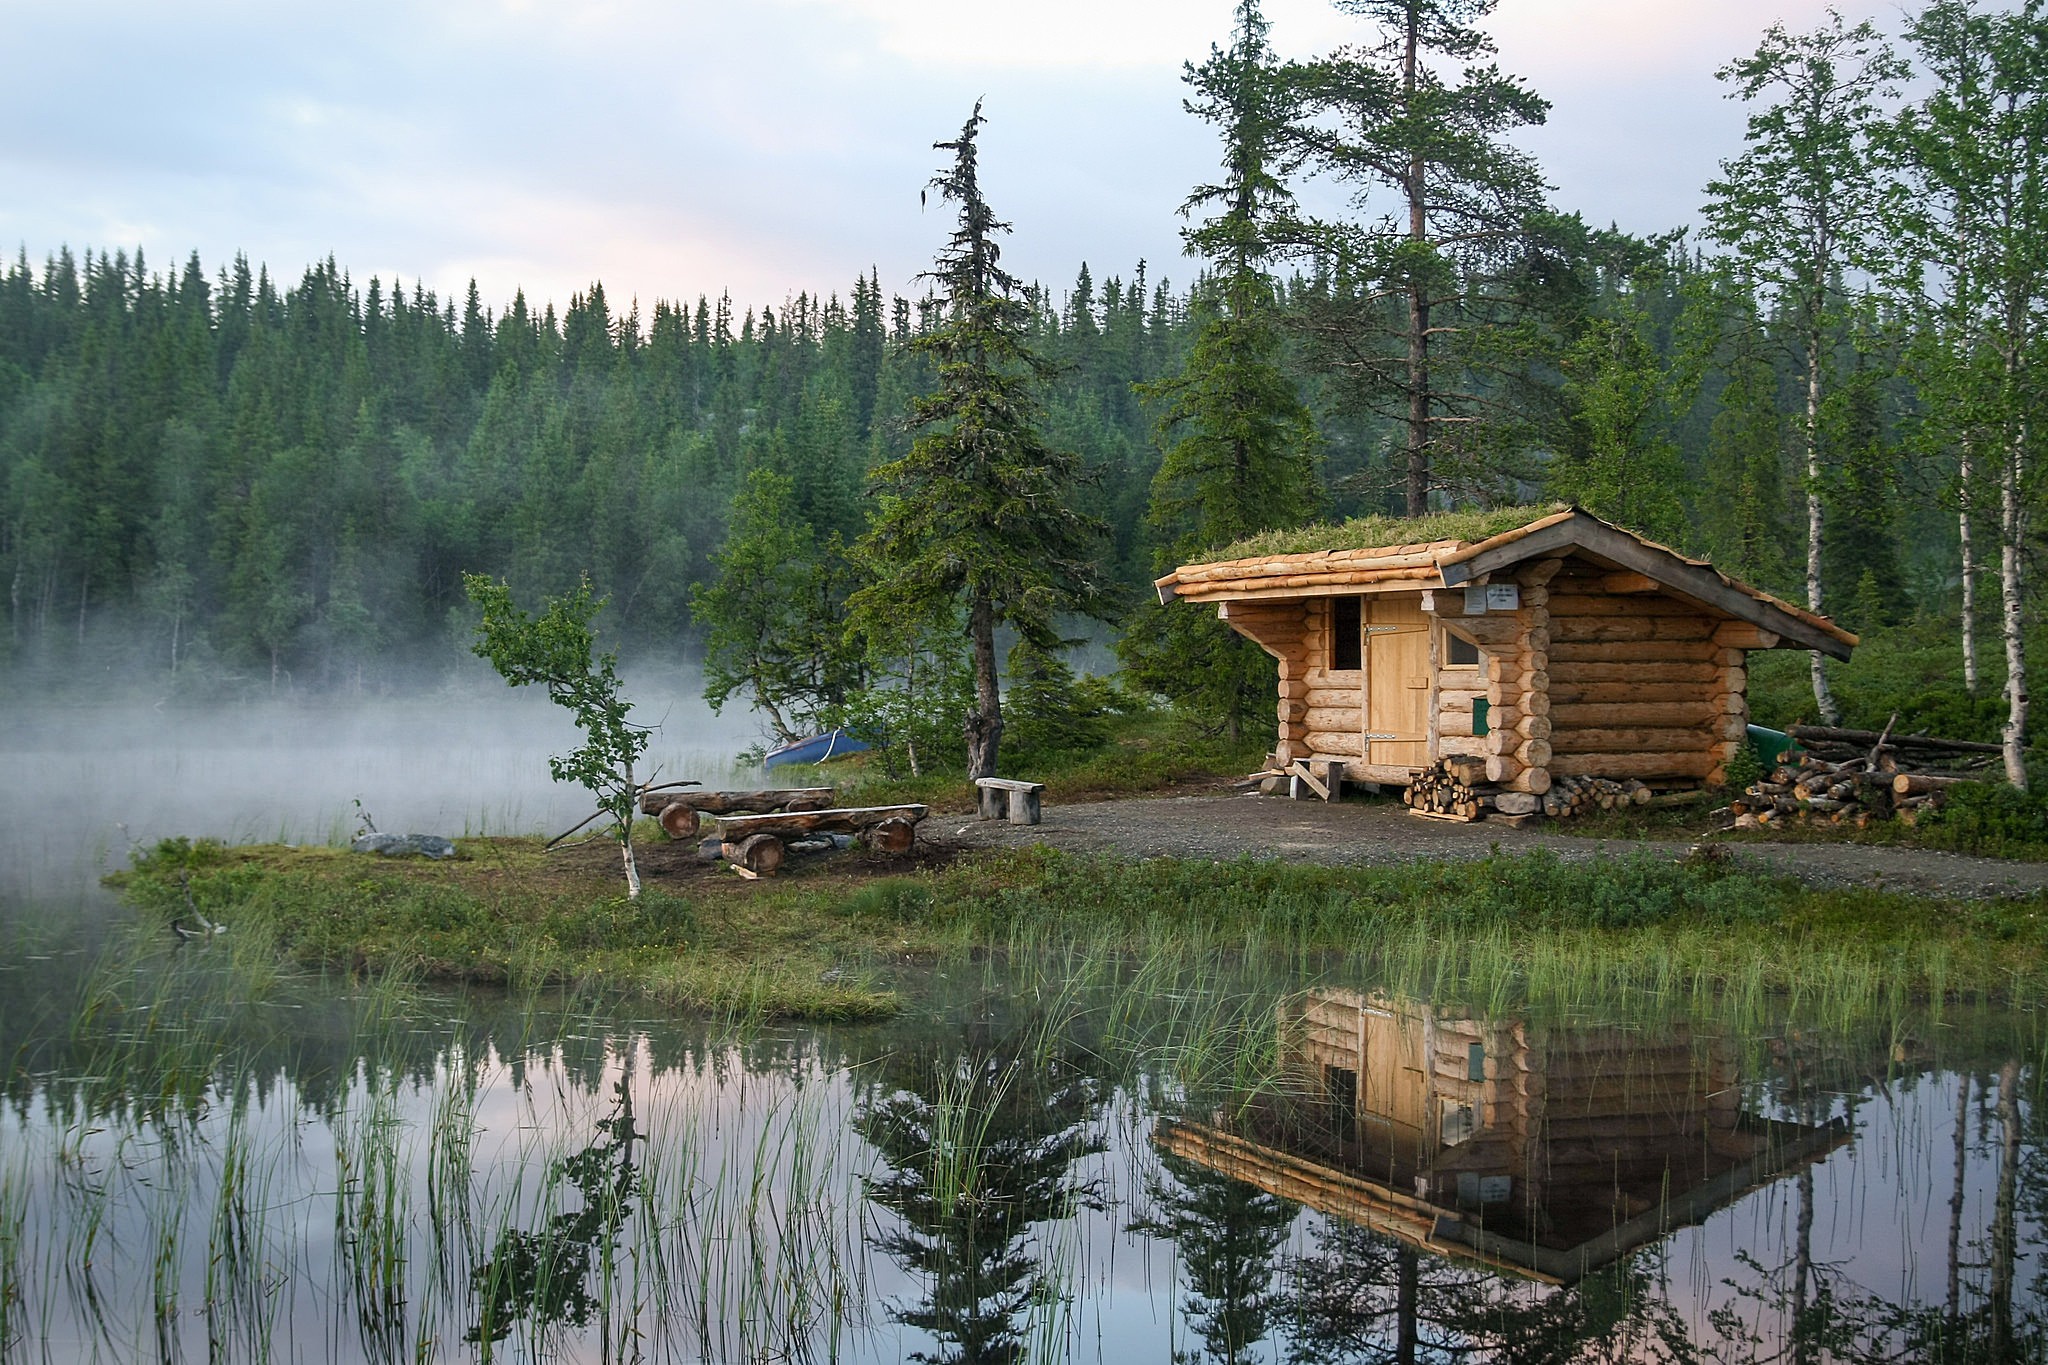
(672, 147)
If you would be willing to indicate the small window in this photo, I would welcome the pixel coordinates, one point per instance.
(1346, 619)
(1457, 1122)
(1459, 652)
(1341, 1084)
(1475, 1061)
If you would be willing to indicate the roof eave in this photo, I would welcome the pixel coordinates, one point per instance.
(1579, 529)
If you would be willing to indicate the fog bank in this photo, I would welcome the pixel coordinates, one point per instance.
(462, 760)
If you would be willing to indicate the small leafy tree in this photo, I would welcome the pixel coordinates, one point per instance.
(773, 619)
(558, 650)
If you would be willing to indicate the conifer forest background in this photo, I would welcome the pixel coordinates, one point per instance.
(220, 481)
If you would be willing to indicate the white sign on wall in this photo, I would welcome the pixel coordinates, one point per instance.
(1503, 596)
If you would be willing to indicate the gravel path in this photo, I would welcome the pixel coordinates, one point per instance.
(1353, 832)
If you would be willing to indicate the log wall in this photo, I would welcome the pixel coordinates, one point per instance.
(1642, 684)
(1335, 722)
(1566, 1114)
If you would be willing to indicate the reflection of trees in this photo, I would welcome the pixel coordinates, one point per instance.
(1828, 1318)
(544, 1277)
(1363, 1295)
(979, 1142)
(1228, 1233)
(1366, 1296)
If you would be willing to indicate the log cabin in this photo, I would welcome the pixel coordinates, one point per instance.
(1561, 645)
(1543, 1151)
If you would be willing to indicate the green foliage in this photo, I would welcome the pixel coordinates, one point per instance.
(1049, 712)
(913, 706)
(1238, 440)
(1623, 467)
(180, 855)
(773, 619)
(557, 651)
(1743, 770)
(1991, 819)
(1215, 677)
(1413, 114)
(976, 518)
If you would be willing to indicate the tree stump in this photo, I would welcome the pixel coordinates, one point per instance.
(679, 820)
(760, 854)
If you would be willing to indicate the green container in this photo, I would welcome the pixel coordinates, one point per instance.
(1768, 744)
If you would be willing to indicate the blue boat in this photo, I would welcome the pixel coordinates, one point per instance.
(817, 749)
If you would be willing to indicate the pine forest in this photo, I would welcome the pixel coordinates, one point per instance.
(217, 480)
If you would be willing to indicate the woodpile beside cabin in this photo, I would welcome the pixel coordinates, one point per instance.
(1552, 647)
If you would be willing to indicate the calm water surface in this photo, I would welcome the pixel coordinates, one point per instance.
(1096, 1159)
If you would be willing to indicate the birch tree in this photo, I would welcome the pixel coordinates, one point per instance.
(558, 651)
(1975, 211)
(1799, 208)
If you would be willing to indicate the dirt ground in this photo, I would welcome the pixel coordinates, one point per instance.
(1361, 833)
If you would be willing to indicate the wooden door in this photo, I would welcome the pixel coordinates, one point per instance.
(1397, 681)
(1395, 1088)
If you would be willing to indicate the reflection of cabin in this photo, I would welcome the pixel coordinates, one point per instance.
(1546, 1152)
(1564, 646)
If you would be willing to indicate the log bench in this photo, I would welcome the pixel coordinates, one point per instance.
(1021, 803)
(755, 842)
(681, 812)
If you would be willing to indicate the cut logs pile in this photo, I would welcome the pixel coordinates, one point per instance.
(1569, 796)
(758, 829)
(1456, 788)
(1854, 777)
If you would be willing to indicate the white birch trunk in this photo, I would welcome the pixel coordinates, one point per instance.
(2011, 567)
(632, 868)
(1969, 548)
(1823, 699)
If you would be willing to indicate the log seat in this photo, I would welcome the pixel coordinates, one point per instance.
(1021, 803)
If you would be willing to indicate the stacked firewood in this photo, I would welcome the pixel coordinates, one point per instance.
(1456, 788)
(1852, 777)
(1804, 788)
(1569, 796)
(1892, 753)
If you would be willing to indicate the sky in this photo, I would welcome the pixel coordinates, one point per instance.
(673, 148)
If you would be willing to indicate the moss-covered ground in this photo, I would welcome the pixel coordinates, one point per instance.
(825, 940)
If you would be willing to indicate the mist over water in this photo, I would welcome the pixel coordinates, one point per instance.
(83, 784)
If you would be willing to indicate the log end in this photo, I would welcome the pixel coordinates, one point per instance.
(679, 820)
(760, 854)
(892, 836)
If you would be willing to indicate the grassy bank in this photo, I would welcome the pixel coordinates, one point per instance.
(1501, 932)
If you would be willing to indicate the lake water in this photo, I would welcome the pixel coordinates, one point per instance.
(1095, 1159)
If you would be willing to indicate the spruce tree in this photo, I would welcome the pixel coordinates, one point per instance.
(1238, 441)
(1450, 208)
(976, 517)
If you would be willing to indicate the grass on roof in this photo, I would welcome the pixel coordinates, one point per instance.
(1468, 524)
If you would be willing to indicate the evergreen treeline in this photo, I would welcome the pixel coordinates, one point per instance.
(227, 476)
(1829, 394)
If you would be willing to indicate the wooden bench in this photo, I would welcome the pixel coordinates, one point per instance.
(755, 842)
(681, 812)
(1006, 798)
